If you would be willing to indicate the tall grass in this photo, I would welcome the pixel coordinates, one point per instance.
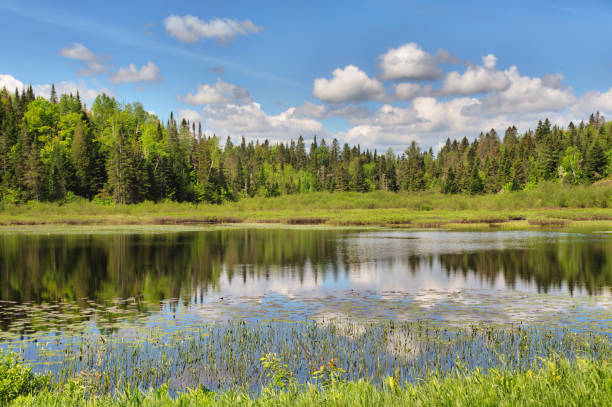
(580, 382)
(379, 207)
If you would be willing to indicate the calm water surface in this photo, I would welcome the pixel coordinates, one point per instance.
(159, 297)
(304, 273)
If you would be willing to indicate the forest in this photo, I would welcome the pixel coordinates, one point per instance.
(57, 149)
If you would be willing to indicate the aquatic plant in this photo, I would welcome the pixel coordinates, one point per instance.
(226, 356)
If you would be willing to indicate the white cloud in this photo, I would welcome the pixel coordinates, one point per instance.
(348, 85)
(406, 91)
(352, 112)
(217, 93)
(69, 87)
(427, 121)
(525, 95)
(10, 83)
(592, 102)
(191, 29)
(309, 109)
(410, 62)
(94, 64)
(250, 121)
(78, 51)
(476, 79)
(489, 61)
(131, 74)
(190, 115)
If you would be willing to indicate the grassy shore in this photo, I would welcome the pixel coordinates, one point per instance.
(580, 382)
(548, 206)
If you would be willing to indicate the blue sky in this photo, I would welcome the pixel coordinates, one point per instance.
(379, 73)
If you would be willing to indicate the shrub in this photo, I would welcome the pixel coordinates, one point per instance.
(17, 379)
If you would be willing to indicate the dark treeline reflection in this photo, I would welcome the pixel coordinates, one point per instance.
(101, 267)
(38, 268)
(573, 264)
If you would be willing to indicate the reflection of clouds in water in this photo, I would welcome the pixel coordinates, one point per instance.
(398, 342)
(379, 279)
(341, 323)
(447, 276)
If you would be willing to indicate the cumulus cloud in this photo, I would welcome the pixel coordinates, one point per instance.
(410, 62)
(217, 93)
(250, 121)
(525, 94)
(130, 74)
(476, 79)
(94, 64)
(348, 85)
(78, 51)
(406, 91)
(69, 87)
(191, 29)
(426, 121)
(10, 83)
(351, 112)
(489, 61)
(590, 102)
(190, 115)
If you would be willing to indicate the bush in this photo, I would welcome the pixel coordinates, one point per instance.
(17, 380)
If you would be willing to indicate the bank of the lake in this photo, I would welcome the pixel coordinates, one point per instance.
(579, 382)
(570, 208)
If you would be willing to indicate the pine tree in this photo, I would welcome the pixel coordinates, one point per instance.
(450, 184)
(596, 161)
(53, 97)
(475, 184)
(81, 158)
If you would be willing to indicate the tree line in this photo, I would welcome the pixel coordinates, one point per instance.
(55, 149)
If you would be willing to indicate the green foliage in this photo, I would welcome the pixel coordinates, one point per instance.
(450, 183)
(17, 380)
(571, 169)
(581, 382)
(475, 184)
(328, 374)
(596, 161)
(278, 374)
(50, 148)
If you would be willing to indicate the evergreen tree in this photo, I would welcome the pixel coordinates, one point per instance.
(450, 184)
(475, 185)
(53, 97)
(596, 161)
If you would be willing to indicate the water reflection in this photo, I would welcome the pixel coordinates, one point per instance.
(158, 266)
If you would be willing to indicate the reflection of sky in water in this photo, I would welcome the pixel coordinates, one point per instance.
(380, 263)
(451, 277)
(447, 278)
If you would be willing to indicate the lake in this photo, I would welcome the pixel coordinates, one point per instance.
(156, 292)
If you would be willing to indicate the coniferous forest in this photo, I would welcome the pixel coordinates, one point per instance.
(55, 149)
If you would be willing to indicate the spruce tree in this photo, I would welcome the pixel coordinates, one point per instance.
(81, 159)
(450, 184)
(596, 161)
(53, 97)
(475, 184)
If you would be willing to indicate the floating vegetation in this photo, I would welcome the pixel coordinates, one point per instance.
(146, 310)
(226, 356)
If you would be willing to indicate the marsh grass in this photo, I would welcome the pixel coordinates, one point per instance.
(227, 356)
(576, 382)
(429, 209)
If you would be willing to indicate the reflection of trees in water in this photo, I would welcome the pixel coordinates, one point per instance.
(576, 264)
(36, 268)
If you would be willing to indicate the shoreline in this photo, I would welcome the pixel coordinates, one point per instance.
(560, 208)
(189, 223)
